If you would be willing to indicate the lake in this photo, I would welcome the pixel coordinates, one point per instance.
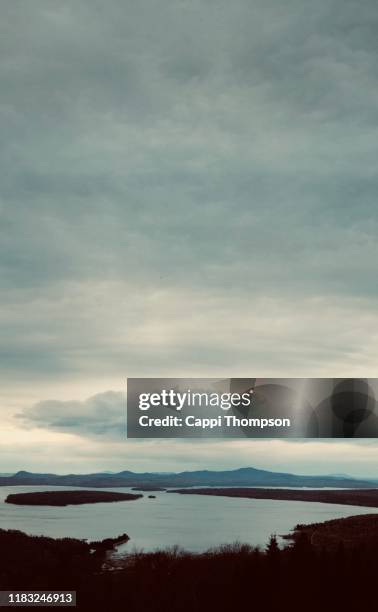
(194, 522)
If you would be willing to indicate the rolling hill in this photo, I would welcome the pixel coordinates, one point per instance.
(245, 477)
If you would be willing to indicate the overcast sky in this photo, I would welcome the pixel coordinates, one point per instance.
(187, 189)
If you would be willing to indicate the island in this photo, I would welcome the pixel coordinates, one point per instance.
(350, 497)
(147, 488)
(66, 498)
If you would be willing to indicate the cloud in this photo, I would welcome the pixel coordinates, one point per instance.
(90, 435)
(102, 415)
(108, 331)
(40, 449)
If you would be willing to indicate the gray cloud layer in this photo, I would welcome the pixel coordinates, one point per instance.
(167, 162)
(103, 415)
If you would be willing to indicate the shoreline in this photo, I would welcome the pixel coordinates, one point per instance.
(349, 532)
(349, 497)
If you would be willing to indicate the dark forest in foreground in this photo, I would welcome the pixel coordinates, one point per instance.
(332, 574)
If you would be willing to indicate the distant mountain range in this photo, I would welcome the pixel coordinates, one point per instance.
(246, 477)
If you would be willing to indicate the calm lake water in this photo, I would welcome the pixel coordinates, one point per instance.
(195, 522)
